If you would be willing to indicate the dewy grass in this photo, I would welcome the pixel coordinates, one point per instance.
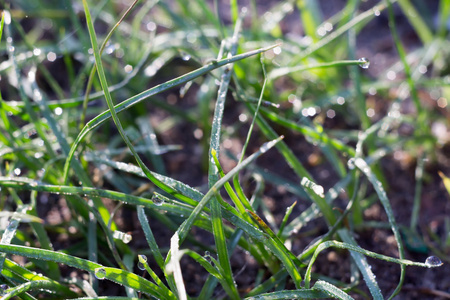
(196, 96)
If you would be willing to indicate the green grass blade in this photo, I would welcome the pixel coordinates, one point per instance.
(186, 193)
(213, 172)
(362, 17)
(94, 68)
(153, 91)
(206, 264)
(415, 18)
(296, 294)
(276, 73)
(311, 17)
(362, 165)
(278, 248)
(418, 191)
(107, 298)
(186, 226)
(363, 265)
(444, 9)
(285, 219)
(116, 275)
(331, 290)
(336, 244)
(10, 231)
(150, 237)
(41, 285)
(295, 164)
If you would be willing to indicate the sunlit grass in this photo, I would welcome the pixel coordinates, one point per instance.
(92, 92)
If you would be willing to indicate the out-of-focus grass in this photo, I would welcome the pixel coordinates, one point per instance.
(70, 67)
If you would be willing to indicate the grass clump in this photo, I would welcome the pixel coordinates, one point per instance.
(247, 112)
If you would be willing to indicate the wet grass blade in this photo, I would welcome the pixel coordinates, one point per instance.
(331, 290)
(116, 275)
(296, 294)
(40, 285)
(186, 226)
(364, 167)
(144, 95)
(363, 266)
(150, 237)
(213, 172)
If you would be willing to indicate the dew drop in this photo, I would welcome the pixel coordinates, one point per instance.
(364, 63)
(128, 69)
(142, 262)
(185, 56)
(100, 273)
(207, 256)
(51, 56)
(141, 266)
(142, 258)
(351, 163)
(157, 200)
(58, 111)
(433, 261)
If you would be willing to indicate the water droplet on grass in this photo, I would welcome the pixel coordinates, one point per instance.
(142, 262)
(58, 111)
(185, 56)
(141, 266)
(142, 258)
(100, 273)
(207, 256)
(364, 63)
(433, 261)
(351, 163)
(157, 200)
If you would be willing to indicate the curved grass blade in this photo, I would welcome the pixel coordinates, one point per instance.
(10, 231)
(285, 219)
(107, 298)
(213, 171)
(117, 275)
(363, 266)
(184, 189)
(186, 226)
(331, 290)
(295, 164)
(94, 68)
(149, 236)
(325, 245)
(51, 287)
(297, 294)
(150, 92)
(363, 17)
(288, 70)
(273, 242)
(415, 18)
(364, 167)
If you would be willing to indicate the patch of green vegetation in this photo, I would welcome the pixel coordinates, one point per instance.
(89, 89)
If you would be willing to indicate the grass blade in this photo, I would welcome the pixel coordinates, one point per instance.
(174, 267)
(119, 276)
